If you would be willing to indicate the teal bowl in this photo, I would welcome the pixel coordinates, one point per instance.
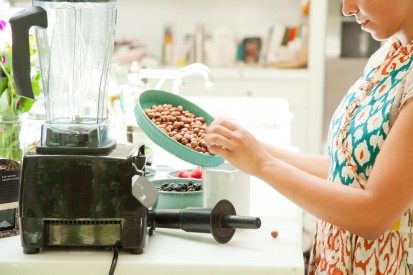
(156, 97)
(177, 200)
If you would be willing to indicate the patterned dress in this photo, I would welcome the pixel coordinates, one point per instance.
(358, 129)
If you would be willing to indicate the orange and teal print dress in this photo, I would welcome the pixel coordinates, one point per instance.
(358, 129)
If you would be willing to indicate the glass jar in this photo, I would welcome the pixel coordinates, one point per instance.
(32, 128)
(10, 145)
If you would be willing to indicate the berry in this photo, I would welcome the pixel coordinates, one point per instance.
(196, 173)
(184, 174)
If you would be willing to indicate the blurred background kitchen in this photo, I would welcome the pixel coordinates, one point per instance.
(280, 67)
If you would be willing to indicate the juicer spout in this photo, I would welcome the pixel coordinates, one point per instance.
(221, 220)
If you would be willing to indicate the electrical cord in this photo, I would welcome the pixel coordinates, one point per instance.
(114, 260)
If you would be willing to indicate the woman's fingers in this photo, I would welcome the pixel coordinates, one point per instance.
(217, 140)
(222, 133)
(226, 138)
(215, 149)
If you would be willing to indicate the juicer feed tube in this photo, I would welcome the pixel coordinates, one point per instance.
(221, 221)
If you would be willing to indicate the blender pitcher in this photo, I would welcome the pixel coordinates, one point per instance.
(75, 41)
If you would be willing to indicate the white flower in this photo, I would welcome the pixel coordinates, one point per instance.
(358, 134)
(346, 172)
(362, 116)
(376, 140)
(361, 153)
(340, 157)
(374, 122)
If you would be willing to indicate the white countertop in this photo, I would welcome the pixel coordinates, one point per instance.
(171, 251)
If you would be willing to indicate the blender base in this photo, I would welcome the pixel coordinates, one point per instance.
(82, 201)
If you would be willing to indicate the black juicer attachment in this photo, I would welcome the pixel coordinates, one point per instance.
(221, 220)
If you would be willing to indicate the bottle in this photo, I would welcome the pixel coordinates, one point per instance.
(167, 51)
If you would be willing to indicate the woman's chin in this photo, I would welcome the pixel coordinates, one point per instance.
(378, 36)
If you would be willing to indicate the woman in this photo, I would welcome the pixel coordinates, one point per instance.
(362, 192)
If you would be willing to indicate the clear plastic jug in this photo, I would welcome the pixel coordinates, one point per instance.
(75, 50)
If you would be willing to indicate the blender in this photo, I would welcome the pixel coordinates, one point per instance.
(76, 184)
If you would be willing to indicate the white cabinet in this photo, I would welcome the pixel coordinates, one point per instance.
(304, 88)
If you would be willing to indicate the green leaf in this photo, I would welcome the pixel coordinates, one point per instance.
(5, 103)
(9, 62)
(3, 84)
(36, 84)
(26, 103)
(11, 88)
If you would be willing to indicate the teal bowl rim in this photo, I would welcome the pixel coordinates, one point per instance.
(156, 97)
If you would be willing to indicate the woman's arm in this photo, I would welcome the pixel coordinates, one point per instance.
(316, 165)
(367, 213)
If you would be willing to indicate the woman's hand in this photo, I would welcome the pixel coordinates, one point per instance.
(228, 139)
